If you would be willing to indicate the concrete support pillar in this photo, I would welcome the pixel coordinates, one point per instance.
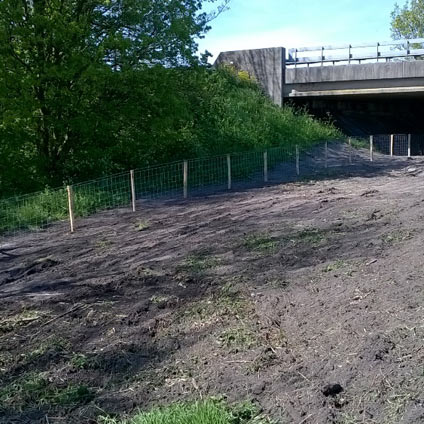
(267, 66)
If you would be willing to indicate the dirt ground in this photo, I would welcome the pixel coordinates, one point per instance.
(306, 298)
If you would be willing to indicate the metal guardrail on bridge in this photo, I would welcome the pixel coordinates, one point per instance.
(389, 50)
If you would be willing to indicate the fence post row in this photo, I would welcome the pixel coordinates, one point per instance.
(185, 179)
(266, 167)
(132, 190)
(71, 206)
(297, 161)
(371, 148)
(229, 171)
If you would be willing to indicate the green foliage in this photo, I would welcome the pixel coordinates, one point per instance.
(408, 21)
(33, 211)
(202, 412)
(91, 88)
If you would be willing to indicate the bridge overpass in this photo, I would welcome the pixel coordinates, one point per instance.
(364, 88)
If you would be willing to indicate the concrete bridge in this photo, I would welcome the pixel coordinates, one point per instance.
(364, 88)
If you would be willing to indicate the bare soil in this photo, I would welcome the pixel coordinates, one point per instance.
(306, 298)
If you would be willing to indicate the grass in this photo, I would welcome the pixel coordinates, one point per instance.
(237, 339)
(81, 361)
(36, 390)
(33, 211)
(261, 242)
(311, 236)
(36, 211)
(199, 262)
(360, 143)
(54, 344)
(200, 412)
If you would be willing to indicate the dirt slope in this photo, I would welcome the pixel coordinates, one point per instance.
(306, 298)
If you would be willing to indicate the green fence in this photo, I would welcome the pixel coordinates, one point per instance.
(172, 180)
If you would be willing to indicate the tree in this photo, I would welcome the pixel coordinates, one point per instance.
(408, 21)
(62, 64)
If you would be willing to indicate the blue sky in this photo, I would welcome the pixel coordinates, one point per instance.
(298, 23)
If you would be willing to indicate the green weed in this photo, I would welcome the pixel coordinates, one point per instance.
(201, 412)
(142, 225)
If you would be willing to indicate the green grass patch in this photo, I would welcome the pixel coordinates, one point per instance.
(310, 236)
(261, 242)
(201, 412)
(199, 262)
(36, 390)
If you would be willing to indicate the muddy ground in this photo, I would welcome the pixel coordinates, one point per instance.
(306, 298)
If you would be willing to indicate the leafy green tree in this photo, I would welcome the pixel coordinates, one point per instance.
(60, 64)
(408, 21)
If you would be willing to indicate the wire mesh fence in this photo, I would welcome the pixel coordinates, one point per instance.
(33, 211)
(179, 180)
(393, 144)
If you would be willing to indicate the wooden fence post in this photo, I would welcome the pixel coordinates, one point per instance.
(409, 145)
(71, 207)
(266, 167)
(229, 171)
(371, 148)
(132, 190)
(297, 161)
(392, 144)
(185, 179)
(350, 150)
